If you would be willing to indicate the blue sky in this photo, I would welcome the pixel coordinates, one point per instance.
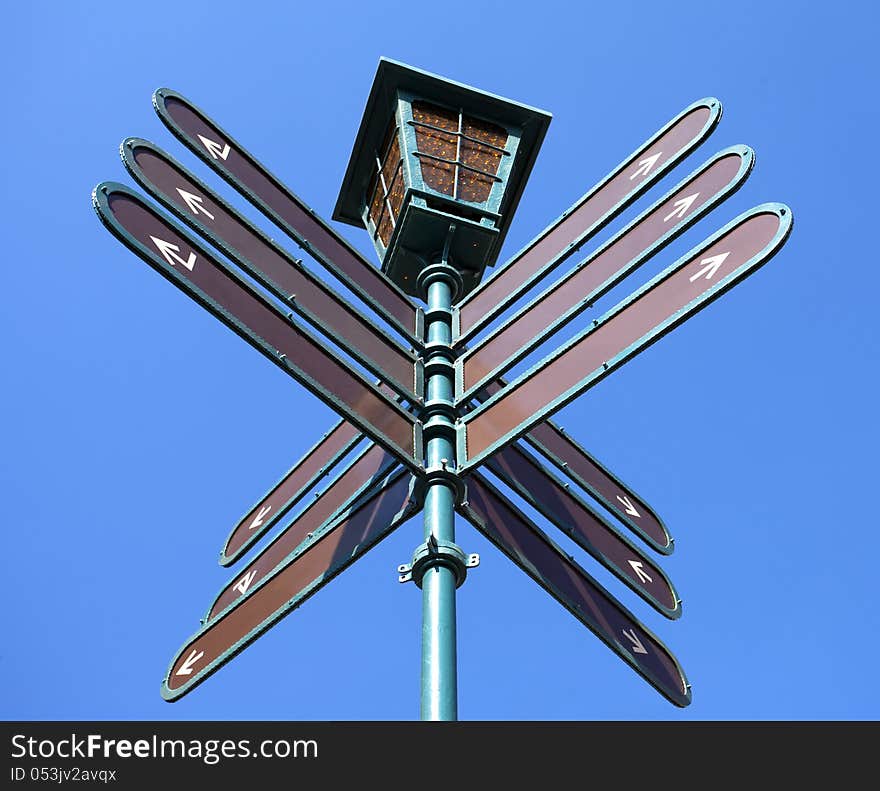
(137, 429)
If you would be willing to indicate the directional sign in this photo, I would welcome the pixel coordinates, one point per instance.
(335, 445)
(270, 264)
(524, 474)
(289, 585)
(605, 487)
(673, 296)
(244, 172)
(587, 216)
(244, 310)
(371, 467)
(518, 538)
(655, 228)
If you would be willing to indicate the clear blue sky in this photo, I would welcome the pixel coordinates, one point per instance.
(137, 429)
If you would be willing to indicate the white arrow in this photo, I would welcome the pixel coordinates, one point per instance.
(194, 202)
(640, 572)
(712, 264)
(245, 582)
(258, 519)
(681, 206)
(628, 506)
(637, 648)
(214, 148)
(186, 667)
(645, 165)
(170, 251)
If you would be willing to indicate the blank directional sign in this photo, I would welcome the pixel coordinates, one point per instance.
(521, 540)
(244, 172)
(373, 466)
(591, 213)
(606, 267)
(679, 292)
(525, 475)
(271, 265)
(290, 584)
(201, 276)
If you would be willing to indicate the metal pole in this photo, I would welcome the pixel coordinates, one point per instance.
(442, 569)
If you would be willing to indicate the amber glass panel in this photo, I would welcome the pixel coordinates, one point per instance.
(390, 157)
(473, 187)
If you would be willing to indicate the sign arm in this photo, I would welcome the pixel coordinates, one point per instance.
(191, 201)
(223, 154)
(683, 289)
(527, 546)
(251, 316)
(601, 204)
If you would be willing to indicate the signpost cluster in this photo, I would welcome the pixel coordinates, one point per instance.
(427, 418)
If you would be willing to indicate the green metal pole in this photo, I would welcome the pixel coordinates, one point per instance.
(439, 681)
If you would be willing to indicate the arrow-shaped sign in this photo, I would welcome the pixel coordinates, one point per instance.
(573, 293)
(247, 175)
(195, 203)
(653, 311)
(710, 266)
(521, 540)
(271, 265)
(681, 207)
(638, 647)
(171, 253)
(366, 475)
(586, 471)
(645, 165)
(298, 481)
(586, 217)
(290, 584)
(258, 519)
(524, 474)
(186, 668)
(628, 506)
(639, 568)
(254, 318)
(214, 148)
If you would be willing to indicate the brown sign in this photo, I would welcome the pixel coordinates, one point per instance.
(371, 467)
(295, 484)
(574, 293)
(518, 538)
(568, 456)
(270, 264)
(218, 149)
(290, 585)
(591, 213)
(201, 276)
(671, 298)
(524, 474)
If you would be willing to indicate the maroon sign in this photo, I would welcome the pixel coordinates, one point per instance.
(590, 214)
(518, 538)
(522, 472)
(358, 531)
(574, 293)
(244, 310)
(218, 149)
(671, 298)
(371, 467)
(605, 487)
(295, 484)
(270, 264)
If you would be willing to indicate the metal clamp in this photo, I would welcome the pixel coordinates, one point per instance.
(437, 553)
